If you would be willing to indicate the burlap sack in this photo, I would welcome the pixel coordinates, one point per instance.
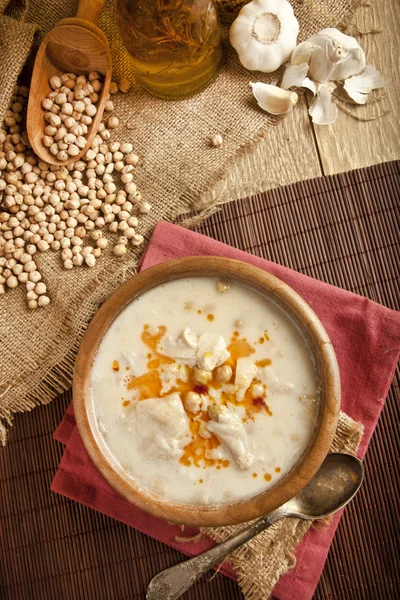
(177, 173)
(16, 40)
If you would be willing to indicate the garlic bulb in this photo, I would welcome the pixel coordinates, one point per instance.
(325, 58)
(264, 34)
(331, 56)
(273, 99)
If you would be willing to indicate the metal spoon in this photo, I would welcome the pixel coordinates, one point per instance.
(334, 485)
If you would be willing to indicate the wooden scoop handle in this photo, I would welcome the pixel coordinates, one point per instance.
(90, 10)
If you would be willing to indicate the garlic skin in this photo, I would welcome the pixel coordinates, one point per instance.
(264, 34)
(360, 86)
(323, 111)
(273, 99)
(294, 76)
(331, 56)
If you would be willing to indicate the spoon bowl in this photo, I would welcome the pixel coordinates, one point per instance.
(336, 482)
(332, 487)
(77, 46)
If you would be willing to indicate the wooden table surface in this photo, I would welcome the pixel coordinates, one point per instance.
(298, 150)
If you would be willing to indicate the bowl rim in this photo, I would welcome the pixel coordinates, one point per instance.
(328, 371)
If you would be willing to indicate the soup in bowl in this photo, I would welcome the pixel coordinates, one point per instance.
(206, 391)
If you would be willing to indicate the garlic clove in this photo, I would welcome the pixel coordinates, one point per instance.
(294, 75)
(264, 34)
(273, 99)
(359, 86)
(323, 111)
(302, 53)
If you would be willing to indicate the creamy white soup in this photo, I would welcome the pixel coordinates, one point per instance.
(204, 391)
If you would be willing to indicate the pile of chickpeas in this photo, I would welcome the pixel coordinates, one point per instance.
(64, 209)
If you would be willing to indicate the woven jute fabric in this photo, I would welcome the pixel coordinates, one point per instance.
(177, 172)
(262, 561)
(16, 40)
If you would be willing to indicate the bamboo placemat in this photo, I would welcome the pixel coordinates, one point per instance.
(342, 229)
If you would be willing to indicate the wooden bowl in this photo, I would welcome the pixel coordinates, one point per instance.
(319, 344)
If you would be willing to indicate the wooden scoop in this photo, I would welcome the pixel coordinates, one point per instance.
(74, 46)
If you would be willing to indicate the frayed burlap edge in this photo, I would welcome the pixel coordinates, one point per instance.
(16, 41)
(261, 562)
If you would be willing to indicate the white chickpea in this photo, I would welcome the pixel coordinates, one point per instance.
(201, 376)
(34, 276)
(30, 266)
(133, 221)
(257, 390)
(126, 177)
(48, 141)
(137, 240)
(68, 264)
(145, 207)
(23, 277)
(90, 260)
(73, 150)
(129, 232)
(126, 148)
(122, 226)
(67, 109)
(90, 110)
(43, 301)
(47, 103)
(40, 288)
(192, 402)
(102, 243)
(53, 119)
(66, 253)
(119, 249)
(12, 281)
(55, 82)
(224, 373)
(61, 98)
(216, 140)
(86, 120)
(130, 187)
(112, 122)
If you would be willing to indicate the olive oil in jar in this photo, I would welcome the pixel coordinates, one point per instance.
(175, 45)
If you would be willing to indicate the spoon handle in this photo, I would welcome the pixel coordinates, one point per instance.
(90, 10)
(173, 582)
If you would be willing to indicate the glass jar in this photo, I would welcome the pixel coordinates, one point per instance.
(175, 45)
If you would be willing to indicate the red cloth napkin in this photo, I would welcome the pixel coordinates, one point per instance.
(366, 338)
